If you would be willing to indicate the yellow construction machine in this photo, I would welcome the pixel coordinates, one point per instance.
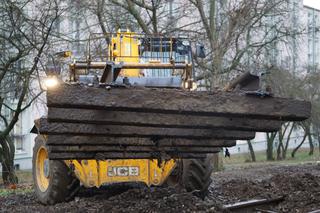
(131, 116)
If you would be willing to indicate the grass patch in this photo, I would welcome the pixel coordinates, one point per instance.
(23, 187)
(23, 176)
(4, 192)
(244, 159)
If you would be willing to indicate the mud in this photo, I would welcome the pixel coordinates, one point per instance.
(299, 184)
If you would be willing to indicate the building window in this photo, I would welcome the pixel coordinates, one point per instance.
(16, 166)
(19, 144)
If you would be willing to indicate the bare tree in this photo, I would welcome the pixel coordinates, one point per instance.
(149, 15)
(240, 35)
(286, 130)
(287, 84)
(306, 132)
(24, 36)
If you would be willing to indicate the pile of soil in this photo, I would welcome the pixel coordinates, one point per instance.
(300, 186)
(118, 198)
(301, 191)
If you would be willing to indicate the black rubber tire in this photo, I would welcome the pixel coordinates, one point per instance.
(63, 185)
(194, 175)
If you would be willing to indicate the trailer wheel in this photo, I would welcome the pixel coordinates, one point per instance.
(53, 180)
(194, 175)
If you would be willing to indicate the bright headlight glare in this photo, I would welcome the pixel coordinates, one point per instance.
(51, 82)
(186, 43)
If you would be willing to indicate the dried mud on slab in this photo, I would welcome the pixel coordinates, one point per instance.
(178, 101)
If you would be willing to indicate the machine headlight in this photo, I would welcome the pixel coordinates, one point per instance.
(51, 81)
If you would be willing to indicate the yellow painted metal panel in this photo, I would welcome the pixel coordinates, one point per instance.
(113, 171)
(95, 173)
(125, 48)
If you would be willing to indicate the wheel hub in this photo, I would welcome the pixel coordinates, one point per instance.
(46, 168)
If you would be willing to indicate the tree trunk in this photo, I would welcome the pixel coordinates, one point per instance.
(281, 134)
(216, 67)
(270, 140)
(298, 147)
(311, 145)
(252, 154)
(216, 163)
(270, 150)
(284, 151)
(279, 151)
(100, 12)
(280, 145)
(7, 161)
(319, 141)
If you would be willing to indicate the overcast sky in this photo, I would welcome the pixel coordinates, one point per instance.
(312, 3)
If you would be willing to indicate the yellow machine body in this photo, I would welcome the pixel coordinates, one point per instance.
(96, 173)
(124, 47)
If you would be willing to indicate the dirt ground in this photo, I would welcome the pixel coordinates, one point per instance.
(299, 184)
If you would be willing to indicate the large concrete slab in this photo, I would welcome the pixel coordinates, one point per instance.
(93, 116)
(127, 141)
(135, 149)
(52, 128)
(173, 101)
(122, 155)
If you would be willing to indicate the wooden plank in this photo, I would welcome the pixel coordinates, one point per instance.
(52, 128)
(135, 149)
(127, 141)
(120, 155)
(173, 101)
(160, 120)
